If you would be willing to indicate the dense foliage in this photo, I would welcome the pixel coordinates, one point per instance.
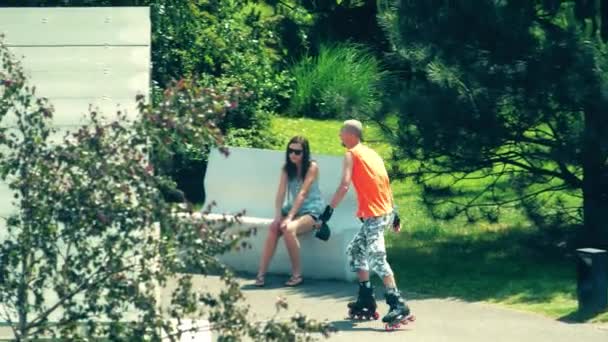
(511, 91)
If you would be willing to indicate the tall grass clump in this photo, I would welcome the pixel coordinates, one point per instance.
(342, 80)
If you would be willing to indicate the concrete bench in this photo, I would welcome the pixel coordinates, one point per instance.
(247, 180)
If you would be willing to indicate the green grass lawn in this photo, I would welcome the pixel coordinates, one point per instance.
(502, 263)
(323, 135)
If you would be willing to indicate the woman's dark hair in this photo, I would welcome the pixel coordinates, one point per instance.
(290, 167)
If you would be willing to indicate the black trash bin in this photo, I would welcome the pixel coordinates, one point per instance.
(592, 286)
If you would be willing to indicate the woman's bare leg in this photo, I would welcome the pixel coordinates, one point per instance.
(298, 226)
(274, 233)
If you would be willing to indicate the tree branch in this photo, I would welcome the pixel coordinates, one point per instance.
(9, 321)
(481, 193)
(436, 173)
(286, 4)
(569, 177)
(38, 321)
(536, 141)
(500, 203)
(536, 170)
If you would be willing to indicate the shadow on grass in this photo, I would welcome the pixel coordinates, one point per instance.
(513, 266)
(576, 317)
(516, 266)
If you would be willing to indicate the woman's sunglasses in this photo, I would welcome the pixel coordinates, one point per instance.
(296, 152)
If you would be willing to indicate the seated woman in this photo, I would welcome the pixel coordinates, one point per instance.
(299, 180)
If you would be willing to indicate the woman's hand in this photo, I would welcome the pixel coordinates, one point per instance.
(275, 226)
(285, 222)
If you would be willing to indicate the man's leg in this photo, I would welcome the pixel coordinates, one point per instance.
(363, 275)
(389, 281)
(357, 256)
(378, 263)
(365, 305)
(374, 232)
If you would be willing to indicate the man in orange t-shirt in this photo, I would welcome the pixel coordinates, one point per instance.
(365, 169)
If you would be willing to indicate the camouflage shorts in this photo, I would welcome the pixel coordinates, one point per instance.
(367, 247)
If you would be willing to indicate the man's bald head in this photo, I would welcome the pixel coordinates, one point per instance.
(354, 127)
(351, 133)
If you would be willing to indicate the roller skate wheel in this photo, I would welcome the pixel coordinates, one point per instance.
(376, 315)
(351, 314)
(408, 319)
(388, 327)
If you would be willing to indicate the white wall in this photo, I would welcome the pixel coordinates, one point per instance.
(78, 57)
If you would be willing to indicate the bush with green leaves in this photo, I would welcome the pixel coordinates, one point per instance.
(343, 80)
(223, 46)
(81, 256)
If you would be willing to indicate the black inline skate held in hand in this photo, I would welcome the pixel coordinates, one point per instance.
(323, 232)
(326, 214)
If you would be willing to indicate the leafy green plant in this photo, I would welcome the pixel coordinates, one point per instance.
(83, 257)
(343, 80)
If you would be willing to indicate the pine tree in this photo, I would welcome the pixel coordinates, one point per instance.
(513, 92)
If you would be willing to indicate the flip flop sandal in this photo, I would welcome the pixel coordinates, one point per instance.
(259, 281)
(294, 280)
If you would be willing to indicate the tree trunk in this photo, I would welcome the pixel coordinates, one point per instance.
(22, 300)
(595, 182)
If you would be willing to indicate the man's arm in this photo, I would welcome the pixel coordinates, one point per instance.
(347, 172)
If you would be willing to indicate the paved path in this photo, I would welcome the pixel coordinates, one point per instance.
(437, 319)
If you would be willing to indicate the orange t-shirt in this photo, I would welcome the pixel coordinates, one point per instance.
(371, 183)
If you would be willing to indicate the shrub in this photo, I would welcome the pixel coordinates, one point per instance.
(81, 256)
(341, 81)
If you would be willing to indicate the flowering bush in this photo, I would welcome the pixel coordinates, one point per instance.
(83, 256)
